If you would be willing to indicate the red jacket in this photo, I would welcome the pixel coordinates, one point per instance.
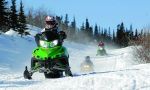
(101, 44)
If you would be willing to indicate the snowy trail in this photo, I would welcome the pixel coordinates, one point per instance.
(116, 71)
(114, 80)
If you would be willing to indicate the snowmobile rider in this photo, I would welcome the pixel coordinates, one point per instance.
(101, 50)
(87, 65)
(51, 31)
(88, 61)
(101, 44)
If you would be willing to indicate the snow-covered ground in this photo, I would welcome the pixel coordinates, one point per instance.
(116, 71)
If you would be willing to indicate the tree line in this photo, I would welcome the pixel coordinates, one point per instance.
(88, 33)
(10, 18)
(17, 20)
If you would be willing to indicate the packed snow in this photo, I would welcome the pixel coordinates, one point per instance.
(115, 71)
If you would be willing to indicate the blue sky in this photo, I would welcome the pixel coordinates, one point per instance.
(103, 12)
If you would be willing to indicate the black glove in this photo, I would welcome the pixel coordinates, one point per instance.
(37, 38)
(62, 35)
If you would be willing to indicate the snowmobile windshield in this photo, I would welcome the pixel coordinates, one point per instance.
(49, 35)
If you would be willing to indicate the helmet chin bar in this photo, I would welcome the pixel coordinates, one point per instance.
(49, 26)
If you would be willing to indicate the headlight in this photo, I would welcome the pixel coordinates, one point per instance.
(43, 44)
(86, 66)
(100, 48)
(53, 43)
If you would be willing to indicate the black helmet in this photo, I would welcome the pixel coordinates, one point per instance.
(87, 58)
(50, 22)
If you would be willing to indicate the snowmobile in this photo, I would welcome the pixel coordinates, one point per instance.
(49, 58)
(87, 65)
(101, 51)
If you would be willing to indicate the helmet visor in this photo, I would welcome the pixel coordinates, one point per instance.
(50, 22)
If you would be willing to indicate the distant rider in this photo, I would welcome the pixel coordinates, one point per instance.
(87, 61)
(101, 44)
(101, 50)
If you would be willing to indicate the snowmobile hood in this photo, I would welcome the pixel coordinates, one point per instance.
(41, 53)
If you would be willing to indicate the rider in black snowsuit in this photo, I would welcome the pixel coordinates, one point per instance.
(51, 32)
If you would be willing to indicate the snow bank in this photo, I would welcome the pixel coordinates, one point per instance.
(11, 33)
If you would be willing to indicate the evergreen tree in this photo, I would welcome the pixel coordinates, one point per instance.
(90, 34)
(114, 37)
(59, 20)
(99, 34)
(88, 31)
(131, 32)
(82, 29)
(136, 34)
(87, 26)
(107, 36)
(105, 33)
(13, 16)
(81, 34)
(109, 33)
(122, 37)
(30, 17)
(3, 16)
(73, 29)
(66, 22)
(120, 34)
(96, 34)
(22, 20)
(102, 32)
(126, 37)
(141, 34)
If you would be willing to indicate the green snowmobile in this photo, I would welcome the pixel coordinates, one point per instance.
(49, 58)
(101, 51)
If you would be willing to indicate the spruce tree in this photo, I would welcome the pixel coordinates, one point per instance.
(122, 37)
(30, 17)
(105, 33)
(3, 16)
(136, 34)
(66, 22)
(13, 16)
(22, 20)
(59, 20)
(120, 34)
(88, 31)
(82, 29)
(81, 34)
(87, 26)
(131, 32)
(90, 34)
(114, 37)
(73, 29)
(96, 32)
